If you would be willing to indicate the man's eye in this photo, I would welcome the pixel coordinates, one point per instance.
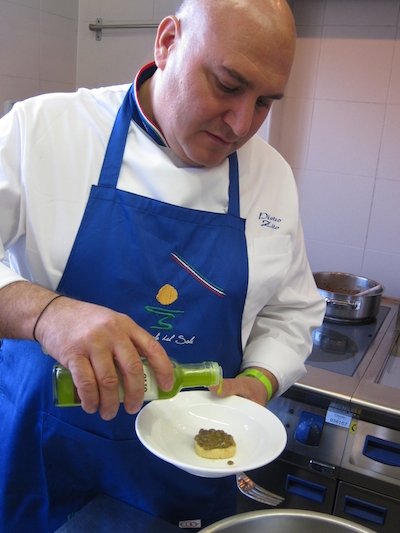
(263, 102)
(226, 88)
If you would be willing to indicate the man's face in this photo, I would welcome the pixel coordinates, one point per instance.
(216, 91)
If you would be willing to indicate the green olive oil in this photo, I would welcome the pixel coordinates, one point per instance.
(187, 376)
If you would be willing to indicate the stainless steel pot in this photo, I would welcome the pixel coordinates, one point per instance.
(285, 521)
(345, 296)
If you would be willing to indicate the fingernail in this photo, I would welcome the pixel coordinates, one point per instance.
(108, 415)
(134, 408)
(167, 385)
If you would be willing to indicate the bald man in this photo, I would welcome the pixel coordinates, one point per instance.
(106, 196)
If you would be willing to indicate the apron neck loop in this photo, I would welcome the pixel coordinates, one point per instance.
(116, 147)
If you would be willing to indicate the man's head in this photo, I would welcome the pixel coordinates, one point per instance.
(221, 63)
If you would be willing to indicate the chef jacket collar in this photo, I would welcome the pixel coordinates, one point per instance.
(142, 120)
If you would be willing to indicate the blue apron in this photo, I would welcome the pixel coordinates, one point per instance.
(180, 273)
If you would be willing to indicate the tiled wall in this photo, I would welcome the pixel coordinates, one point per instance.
(339, 127)
(121, 52)
(38, 43)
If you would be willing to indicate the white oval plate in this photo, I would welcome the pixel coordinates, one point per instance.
(167, 429)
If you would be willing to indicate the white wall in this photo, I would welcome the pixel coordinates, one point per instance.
(38, 47)
(121, 52)
(339, 127)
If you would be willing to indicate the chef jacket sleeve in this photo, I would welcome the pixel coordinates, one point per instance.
(281, 337)
(12, 212)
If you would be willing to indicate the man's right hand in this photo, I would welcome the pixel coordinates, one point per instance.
(92, 341)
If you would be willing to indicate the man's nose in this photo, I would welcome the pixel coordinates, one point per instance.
(239, 118)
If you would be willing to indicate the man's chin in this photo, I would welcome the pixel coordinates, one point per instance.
(206, 159)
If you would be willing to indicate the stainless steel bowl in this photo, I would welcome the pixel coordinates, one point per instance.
(344, 298)
(285, 521)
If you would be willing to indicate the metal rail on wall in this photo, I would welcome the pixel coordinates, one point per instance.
(99, 27)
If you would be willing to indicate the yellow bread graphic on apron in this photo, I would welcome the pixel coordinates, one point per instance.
(167, 295)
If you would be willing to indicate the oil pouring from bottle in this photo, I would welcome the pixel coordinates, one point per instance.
(187, 376)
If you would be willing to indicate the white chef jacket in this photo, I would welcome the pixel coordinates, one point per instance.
(51, 151)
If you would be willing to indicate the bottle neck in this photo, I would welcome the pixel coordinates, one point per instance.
(203, 374)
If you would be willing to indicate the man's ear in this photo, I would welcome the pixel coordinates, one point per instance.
(167, 33)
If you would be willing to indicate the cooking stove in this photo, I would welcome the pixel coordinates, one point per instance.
(342, 353)
(343, 425)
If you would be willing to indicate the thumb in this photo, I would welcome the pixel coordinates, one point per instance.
(246, 387)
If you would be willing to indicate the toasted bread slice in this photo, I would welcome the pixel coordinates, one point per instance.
(214, 444)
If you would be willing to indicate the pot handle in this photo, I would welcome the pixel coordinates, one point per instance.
(341, 303)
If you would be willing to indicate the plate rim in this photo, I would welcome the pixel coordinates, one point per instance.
(209, 398)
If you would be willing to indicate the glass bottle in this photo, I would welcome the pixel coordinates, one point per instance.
(187, 376)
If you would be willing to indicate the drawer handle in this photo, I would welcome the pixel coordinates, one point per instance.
(364, 510)
(306, 489)
(382, 451)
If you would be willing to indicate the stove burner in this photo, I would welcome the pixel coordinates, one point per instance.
(333, 346)
(339, 347)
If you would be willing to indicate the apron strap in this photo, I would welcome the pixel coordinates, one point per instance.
(116, 147)
(233, 191)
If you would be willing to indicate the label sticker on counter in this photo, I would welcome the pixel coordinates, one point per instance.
(353, 427)
(337, 417)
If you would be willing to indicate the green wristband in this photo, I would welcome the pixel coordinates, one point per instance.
(252, 372)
